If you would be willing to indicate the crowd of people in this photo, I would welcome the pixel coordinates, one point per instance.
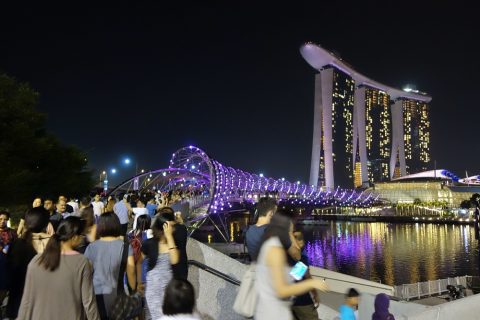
(77, 259)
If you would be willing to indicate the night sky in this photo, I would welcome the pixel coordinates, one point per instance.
(143, 80)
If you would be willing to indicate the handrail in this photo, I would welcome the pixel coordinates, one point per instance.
(346, 281)
(214, 272)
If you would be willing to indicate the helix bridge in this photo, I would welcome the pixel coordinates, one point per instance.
(212, 190)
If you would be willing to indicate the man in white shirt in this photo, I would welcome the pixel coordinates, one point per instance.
(138, 211)
(74, 205)
(98, 206)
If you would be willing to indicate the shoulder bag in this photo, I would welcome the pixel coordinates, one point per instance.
(246, 300)
(125, 306)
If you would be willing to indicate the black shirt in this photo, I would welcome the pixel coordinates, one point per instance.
(180, 235)
(19, 255)
(304, 299)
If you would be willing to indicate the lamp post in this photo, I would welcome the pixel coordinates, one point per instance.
(103, 173)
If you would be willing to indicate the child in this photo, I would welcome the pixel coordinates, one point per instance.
(347, 310)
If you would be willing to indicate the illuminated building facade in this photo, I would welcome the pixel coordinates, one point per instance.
(429, 186)
(364, 131)
(342, 127)
(416, 137)
(333, 128)
(378, 135)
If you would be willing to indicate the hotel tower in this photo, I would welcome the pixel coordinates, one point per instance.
(364, 131)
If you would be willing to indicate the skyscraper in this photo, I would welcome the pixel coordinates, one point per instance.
(416, 135)
(333, 126)
(364, 131)
(378, 134)
(342, 127)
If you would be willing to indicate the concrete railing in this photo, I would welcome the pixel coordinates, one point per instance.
(340, 283)
(214, 295)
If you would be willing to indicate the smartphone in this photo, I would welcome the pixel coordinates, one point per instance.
(298, 270)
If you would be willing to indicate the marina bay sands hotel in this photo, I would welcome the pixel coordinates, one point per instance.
(364, 131)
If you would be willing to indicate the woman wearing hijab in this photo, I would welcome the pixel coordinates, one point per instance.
(382, 302)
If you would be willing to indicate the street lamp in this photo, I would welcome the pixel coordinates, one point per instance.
(128, 161)
(105, 179)
(104, 173)
(113, 171)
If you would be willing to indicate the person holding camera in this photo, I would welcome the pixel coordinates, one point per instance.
(162, 253)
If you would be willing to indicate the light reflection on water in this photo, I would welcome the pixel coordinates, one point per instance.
(393, 253)
(390, 253)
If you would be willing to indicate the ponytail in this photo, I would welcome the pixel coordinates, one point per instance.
(50, 258)
(67, 229)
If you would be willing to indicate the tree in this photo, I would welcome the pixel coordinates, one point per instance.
(32, 161)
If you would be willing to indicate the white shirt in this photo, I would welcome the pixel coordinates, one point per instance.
(74, 205)
(138, 212)
(98, 207)
(269, 306)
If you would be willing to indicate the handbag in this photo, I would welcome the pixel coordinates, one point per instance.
(247, 297)
(125, 306)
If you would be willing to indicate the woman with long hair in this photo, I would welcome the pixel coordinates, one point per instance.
(136, 238)
(59, 281)
(272, 280)
(110, 204)
(33, 240)
(106, 256)
(162, 253)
